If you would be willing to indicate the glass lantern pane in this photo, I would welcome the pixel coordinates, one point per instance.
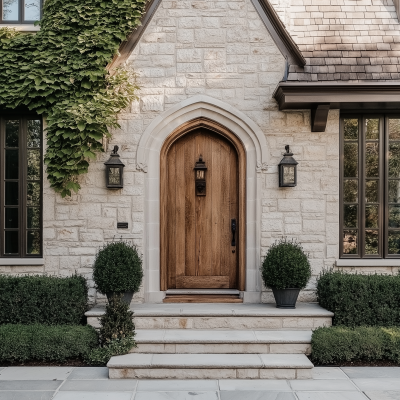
(114, 177)
(10, 10)
(31, 10)
(288, 175)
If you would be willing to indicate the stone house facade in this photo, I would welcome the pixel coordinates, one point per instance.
(284, 72)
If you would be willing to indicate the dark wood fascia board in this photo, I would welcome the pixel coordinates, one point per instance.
(132, 40)
(279, 34)
(339, 95)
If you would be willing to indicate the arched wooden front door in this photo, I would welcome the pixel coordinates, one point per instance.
(200, 241)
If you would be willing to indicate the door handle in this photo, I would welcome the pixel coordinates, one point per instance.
(233, 228)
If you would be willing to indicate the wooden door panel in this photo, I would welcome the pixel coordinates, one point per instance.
(198, 228)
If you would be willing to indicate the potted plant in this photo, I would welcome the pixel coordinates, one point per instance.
(118, 270)
(286, 270)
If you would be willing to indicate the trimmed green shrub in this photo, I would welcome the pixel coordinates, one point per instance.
(21, 343)
(357, 300)
(116, 332)
(118, 268)
(339, 344)
(43, 300)
(286, 266)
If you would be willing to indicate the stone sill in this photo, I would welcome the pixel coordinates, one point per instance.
(22, 27)
(388, 262)
(21, 261)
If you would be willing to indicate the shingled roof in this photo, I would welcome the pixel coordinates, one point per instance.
(345, 40)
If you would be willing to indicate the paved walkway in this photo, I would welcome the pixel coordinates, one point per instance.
(68, 383)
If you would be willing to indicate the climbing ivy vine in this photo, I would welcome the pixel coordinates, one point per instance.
(60, 72)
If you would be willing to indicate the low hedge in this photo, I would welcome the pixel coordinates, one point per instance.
(339, 344)
(360, 300)
(21, 343)
(43, 299)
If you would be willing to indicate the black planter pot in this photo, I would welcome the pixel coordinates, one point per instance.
(126, 296)
(286, 298)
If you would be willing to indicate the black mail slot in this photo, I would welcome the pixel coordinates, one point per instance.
(122, 225)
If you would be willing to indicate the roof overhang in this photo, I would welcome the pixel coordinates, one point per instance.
(320, 97)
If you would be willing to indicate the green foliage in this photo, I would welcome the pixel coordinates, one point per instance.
(117, 347)
(42, 300)
(118, 268)
(61, 72)
(338, 344)
(286, 266)
(356, 300)
(20, 343)
(116, 332)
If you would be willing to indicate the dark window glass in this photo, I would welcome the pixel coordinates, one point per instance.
(21, 187)
(11, 217)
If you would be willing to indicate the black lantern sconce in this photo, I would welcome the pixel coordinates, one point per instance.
(200, 177)
(288, 170)
(114, 171)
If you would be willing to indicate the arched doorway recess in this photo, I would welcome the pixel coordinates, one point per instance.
(203, 231)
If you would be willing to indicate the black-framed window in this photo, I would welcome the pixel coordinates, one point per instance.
(21, 174)
(370, 186)
(20, 11)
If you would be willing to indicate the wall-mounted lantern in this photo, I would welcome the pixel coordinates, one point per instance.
(200, 177)
(288, 170)
(114, 171)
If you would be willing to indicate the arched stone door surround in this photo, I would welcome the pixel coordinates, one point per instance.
(148, 161)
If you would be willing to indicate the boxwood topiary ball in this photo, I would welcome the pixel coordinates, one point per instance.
(286, 266)
(118, 268)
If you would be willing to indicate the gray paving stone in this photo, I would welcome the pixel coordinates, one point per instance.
(383, 395)
(331, 396)
(322, 385)
(372, 372)
(256, 395)
(17, 395)
(197, 395)
(254, 384)
(29, 385)
(92, 396)
(89, 373)
(328, 373)
(377, 384)
(174, 385)
(123, 385)
(35, 373)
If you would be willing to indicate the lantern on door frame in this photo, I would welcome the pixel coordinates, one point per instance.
(288, 170)
(200, 177)
(114, 171)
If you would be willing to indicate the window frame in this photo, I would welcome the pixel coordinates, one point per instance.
(383, 176)
(23, 181)
(20, 20)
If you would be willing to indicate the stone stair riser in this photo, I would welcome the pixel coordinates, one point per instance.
(225, 348)
(258, 323)
(200, 373)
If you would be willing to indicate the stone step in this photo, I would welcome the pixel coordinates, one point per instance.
(223, 316)
(210, 366)
(202, 292)
(186, 341)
